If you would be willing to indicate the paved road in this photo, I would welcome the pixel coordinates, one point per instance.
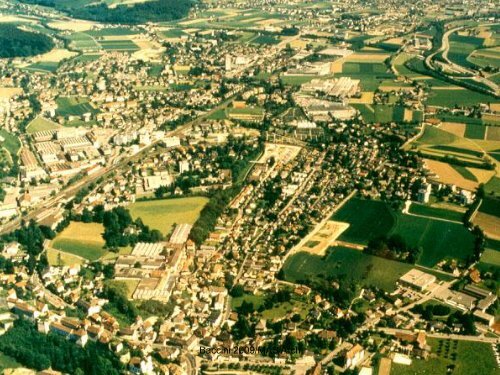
(491, 340)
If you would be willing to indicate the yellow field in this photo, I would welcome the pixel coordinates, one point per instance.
(14, 19)
(445, 174)
(56, 55)
(366, 98)
(489, 224)
(9, 92)
(367, 57)
(456, 128)
(56, 258)
(73, 25)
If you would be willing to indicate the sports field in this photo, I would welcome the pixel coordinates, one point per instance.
(163, 214)
(82, 239)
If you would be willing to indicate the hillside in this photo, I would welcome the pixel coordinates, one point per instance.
(148, 11)
(15, 42)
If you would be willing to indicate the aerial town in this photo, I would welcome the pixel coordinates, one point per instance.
(252, 187)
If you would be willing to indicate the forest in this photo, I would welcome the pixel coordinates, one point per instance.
(39, 351)
(15, 42)
(149, 11)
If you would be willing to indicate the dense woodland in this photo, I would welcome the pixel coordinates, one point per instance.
(40, 351)
(15, 42)
(149, 11)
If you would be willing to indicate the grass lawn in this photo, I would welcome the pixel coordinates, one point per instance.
(352, 264)
(278, 311)
(7, 362)
(82, 239)
(57, 257)
(73, 106)
(368, 219)
(256, 299)
(440, 213)
(10, 142)
(40, 124)
(163, 214)
(467, 358)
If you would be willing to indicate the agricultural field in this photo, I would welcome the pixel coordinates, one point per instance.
(113, 31)
(438, 239)
(488, 217)
(345, 262)
(163, 214)
(43, 67)
(83, 42)
(81, 239)
(493, 186)
(490, 260)
(73, 106)
(384, 113)
(467, 358)
(40, 124)
(124, 45)
(461, 47)
(368, 219)
(58, 257)
(436, 212)
(456, 95)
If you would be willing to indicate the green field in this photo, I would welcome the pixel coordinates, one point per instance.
(7, 362)
(173, 33)
(124, 45)
(82, 239)
(464, 172)
(437, 239)
(467, 358)
(343, 262)
(40, 124)
(475, 131)
(83, 42)
(493, 186)
(163, 214)
(435, 212)
(460, 97)
(11, 143)
(296, 80)
(490, 259)
(43, 67)
(363, 68)
(461, 47)
(73, 106)
(368, 219)
(87, 57)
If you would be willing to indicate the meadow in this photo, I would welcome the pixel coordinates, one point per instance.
(345, 263)
(465, 356)
(454, 95)
(124, 45)
(435, 212)
(82, 239)
(163, 214)
(40, 124)
(43, 66)
(437, 239)
(368, 219)
(73, 106)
